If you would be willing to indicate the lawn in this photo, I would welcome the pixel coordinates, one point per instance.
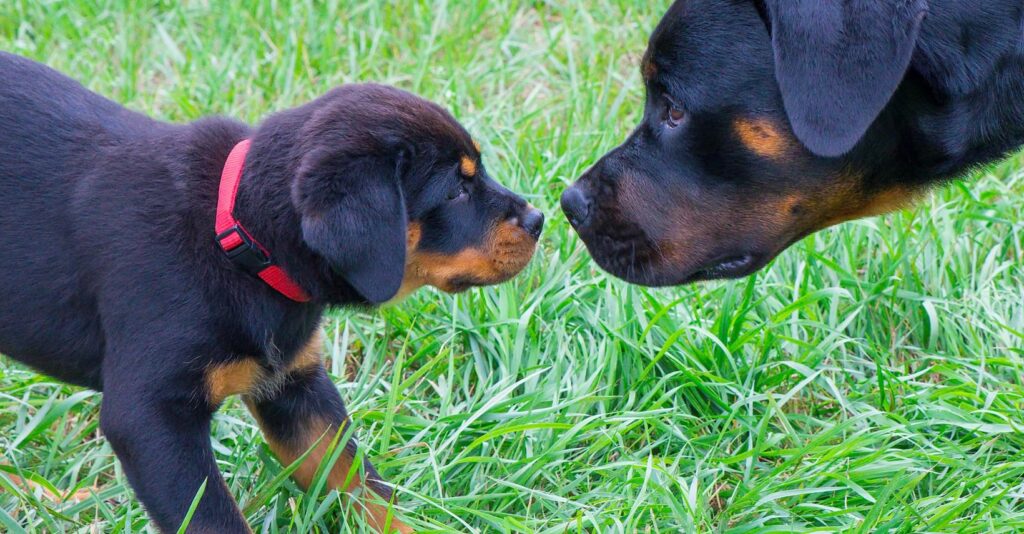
(870, 380)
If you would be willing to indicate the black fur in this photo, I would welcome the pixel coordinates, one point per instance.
(839, 63)
(796, 115)
(114, 280)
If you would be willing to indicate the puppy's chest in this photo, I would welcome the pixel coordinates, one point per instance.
(260, 377)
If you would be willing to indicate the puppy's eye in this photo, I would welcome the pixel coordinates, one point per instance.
(674, 114)
(458, 193)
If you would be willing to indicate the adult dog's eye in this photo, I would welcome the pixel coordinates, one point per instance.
(674, 114)
(458, 193)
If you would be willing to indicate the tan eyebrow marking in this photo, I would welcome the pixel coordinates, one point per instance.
(648, 69)
(761, 137)
(467, 166)
(476, 145)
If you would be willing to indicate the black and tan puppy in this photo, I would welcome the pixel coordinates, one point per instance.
(116, 279)
(767, 120)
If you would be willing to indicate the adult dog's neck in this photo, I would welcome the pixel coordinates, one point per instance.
(960, 104)
(965, 91)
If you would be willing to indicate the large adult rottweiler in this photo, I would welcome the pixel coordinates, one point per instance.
(768, 120)
(172, 266)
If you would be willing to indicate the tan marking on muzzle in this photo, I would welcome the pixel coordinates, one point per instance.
(506, 251)
(687, 229)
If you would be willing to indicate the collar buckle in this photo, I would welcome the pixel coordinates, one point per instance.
(243, 251)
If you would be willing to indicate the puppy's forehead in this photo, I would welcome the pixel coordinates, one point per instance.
(444, 130)
(424, 120)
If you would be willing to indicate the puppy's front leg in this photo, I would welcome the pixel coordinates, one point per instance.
(307, 414)
(163, 443)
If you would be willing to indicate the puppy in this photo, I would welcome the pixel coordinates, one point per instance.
(172, 266)
(767, 120)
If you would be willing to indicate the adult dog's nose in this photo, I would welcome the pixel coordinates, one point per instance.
(576, 206)
(532, 221)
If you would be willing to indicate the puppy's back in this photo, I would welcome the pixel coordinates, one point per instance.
(45, 116)
(53, 134)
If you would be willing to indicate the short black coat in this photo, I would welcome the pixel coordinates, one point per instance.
(767, 120)
(115, 281)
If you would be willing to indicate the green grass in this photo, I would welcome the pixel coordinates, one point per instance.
(870, 380)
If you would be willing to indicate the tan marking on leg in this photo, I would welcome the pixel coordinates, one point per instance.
(761, 137)
(310, 355)
(375, 511)
(239, 377)
(467, 166)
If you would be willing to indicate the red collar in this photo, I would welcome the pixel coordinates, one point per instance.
(243, 250)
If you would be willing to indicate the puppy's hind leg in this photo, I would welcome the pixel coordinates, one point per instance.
(307, 415)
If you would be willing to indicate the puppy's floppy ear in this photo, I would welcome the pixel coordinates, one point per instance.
(838, 63)
(353, 214)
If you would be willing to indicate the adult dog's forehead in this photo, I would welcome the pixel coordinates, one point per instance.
(703, 50)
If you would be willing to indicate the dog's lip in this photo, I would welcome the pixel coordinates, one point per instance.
(727, 267)
(724, 267)
(460, 284)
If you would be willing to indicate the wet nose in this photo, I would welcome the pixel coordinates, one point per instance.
(576, 206)
(532, 221)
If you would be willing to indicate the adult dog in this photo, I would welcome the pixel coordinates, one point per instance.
(171, 266)
(767, 120)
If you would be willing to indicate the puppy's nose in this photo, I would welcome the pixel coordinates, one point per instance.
(532, 221)
(576, 206)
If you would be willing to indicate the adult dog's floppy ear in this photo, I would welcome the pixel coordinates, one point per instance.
(353, 215)
(838, 63)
